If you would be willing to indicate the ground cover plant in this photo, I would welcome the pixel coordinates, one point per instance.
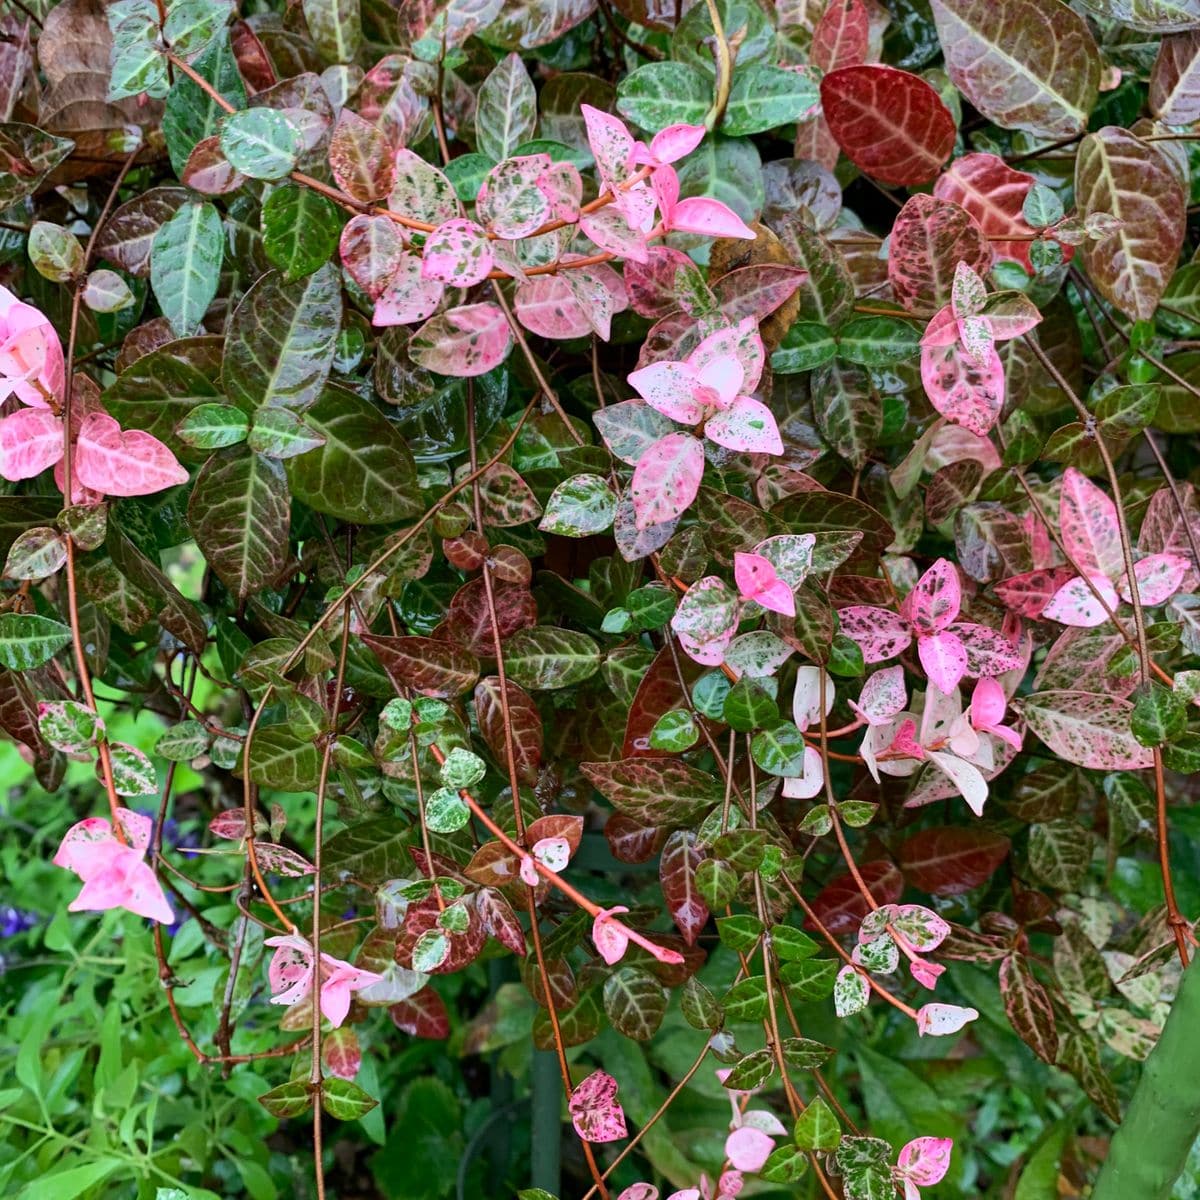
(601, 598)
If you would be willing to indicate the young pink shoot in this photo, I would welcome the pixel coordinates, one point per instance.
(757, 580)
(31, 356)
(697, 214)
(595, 1112)
(922, 1162)
(291, 971)
(115, 875)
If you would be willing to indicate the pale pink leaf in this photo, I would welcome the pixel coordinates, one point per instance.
(406, 296)
(458, 253)
(882, 696)
(748, 1148)
(31, 356)
(31, 439)
(747, 425)
(944, 659)
(1076, 603)
(670, 387)
(966, 777)
(545, 305)
(611, 231)
(1158, 576)
(666, 479)
(811, 780)
(940, 1020)
(611, 144)
(709, 218)
(806, 699)
(609, 936)
(123, 463)
(463, 342)
(741, 341)
(1088, 729)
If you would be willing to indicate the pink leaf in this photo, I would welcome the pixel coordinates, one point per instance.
(595, 1112)
(545, 305)
(1028, 594)
(457, 252)
(748, 1148)
(925, 1160)
(935, 600)
(697, 214)
(463, 342)
(757, 580)
(117, 463)
(741, 341)
(1076, 603)
(1158, 578)
(879, 633)
(31, 439)
(31, 356)
(944, 658)
(611, 230)
(670, 145)
(406, 296)
(609, 936)
(1090, 532)
(961, 389)
(666, 479)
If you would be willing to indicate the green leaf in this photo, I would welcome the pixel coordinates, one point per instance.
(467, 173)
(635, 1002)
(191, 25)
(344, 1099)
(283, 759)
(879, 341)
(785, 1165)
(804, 1053)
(191, 114)
(55, 254)
(363, 472)
(300, 229)
(239, 514)
(580, 506)
(807, 344)
(462, 768)
(674, 732)
(28, 641)
(288, 1099)
(740, 932)
(69, 726)
(281, 433)
(182, 742)
(261, 143)
(779, 749)
(212, 426)
(655, 790)
(445, 811)
(816, 1127)
(1159, 715)
(1041, 207)
(185, 265)
(751, 1071)
(138, 62)
(506, 109)
(665, 93)
(545, 657)
(763, 97)
(810, 979)
(282, 340)
(67, 1185)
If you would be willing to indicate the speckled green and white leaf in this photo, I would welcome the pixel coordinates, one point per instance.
(527, 24)
(28, 640)
(1118, 174)
(261, 143)
(630, 427)
(545, 657)
(69, 726)
(282, 341)
(420, 190)
(579, 506)
(133, 773)
(182, 742)
(866, 1173)
(506, 109)
(664, 93)
(1087, 729)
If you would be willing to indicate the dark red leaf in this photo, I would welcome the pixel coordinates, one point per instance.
(658, 693)
(632, 842)
(342, 1053)
(677, 873)
(1028, 1006)
(840, 906)
(524, 727)
(423, 1015)
(929, 239)
(889, 122)
(464, 947)
(500, 921)
(950, 860)
(429, 666)
(469, 622)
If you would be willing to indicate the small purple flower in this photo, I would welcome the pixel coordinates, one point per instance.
(16, 920)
